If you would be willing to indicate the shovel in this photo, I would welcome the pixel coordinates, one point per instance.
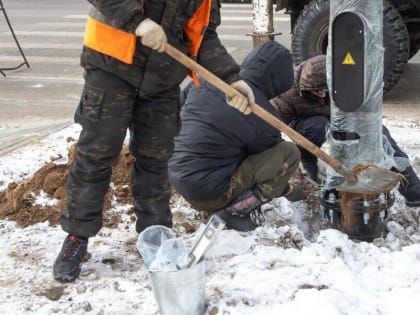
(363, 179)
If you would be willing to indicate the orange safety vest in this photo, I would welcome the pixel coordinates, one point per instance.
(195, 29)
(121, 45)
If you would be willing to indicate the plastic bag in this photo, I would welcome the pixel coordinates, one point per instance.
(150, 240)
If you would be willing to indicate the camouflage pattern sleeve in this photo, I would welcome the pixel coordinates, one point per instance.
(126, 14)
(213, 55)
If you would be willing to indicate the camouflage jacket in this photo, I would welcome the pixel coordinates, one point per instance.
(153, 72)
(295, 103)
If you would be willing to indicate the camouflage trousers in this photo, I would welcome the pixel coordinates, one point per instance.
(108, 108)
(269, 171)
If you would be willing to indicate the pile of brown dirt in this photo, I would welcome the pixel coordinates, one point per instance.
(17, 201)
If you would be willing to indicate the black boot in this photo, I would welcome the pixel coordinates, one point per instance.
(410, 188)
(67, 265)
(244, 212)
(311, 168)
(294, 193)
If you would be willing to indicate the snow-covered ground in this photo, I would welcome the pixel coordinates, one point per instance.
(273, 270)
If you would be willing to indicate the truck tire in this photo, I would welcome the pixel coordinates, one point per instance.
(310, 38)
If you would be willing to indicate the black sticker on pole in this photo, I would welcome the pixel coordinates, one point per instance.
(348, 51)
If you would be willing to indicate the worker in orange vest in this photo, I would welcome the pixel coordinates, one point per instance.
(130, 84)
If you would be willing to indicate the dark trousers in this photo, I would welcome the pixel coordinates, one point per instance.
(108, 108)
(314, 129)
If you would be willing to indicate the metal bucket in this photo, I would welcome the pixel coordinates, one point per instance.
(180, 292)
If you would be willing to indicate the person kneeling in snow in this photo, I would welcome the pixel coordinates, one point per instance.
(306, 108)
(230, 163)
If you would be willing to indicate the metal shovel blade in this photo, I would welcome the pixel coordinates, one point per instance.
(370, 179)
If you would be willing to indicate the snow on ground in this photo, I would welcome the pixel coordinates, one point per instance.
(273, 270)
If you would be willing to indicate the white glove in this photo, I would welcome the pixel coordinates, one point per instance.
(152, 35)
(242, 102)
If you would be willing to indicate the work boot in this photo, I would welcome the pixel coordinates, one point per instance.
(410, 188)
(67, 265)
(244, 212)
(311, 169)
(294, 193)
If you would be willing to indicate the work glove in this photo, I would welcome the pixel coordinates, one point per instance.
(295, 193)
(242, 102)
(152, 35)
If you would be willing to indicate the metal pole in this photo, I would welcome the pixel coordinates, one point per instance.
(262, 22)
(355, 72)
(16, 41)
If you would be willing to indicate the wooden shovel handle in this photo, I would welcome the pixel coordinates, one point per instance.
(256, 109)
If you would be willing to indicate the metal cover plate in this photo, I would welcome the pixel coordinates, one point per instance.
(348, 50)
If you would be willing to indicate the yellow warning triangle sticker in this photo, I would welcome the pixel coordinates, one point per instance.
(348, 60)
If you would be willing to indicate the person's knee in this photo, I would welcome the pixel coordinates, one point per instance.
(314, 129)
(91, 167)
(292, 155)
(158, 152)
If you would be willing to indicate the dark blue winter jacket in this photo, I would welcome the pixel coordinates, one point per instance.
(215, 138)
